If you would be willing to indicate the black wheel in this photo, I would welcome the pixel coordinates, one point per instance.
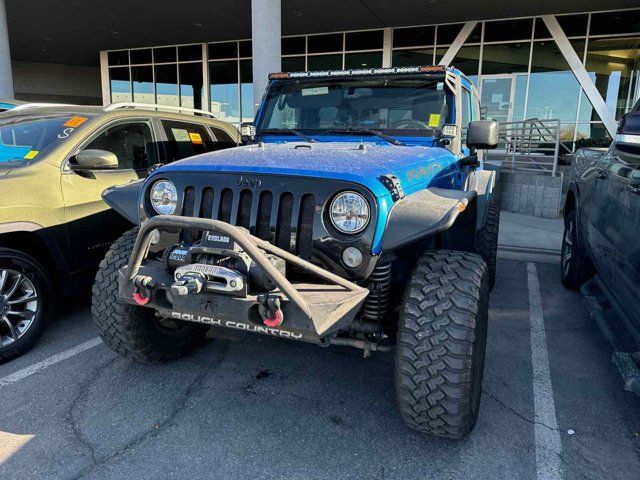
(575, 266)
(25, 302)
(487, 241)
(136, 332)
(441, 344)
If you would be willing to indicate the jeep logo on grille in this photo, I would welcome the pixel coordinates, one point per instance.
(248, 182)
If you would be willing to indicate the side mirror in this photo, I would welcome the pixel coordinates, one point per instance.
(94, 160)
(483, 134)
(247, 132)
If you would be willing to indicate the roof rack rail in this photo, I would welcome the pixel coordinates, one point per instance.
(154, 106)
(26, 106)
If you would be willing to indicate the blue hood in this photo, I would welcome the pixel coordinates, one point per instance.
(415, 166)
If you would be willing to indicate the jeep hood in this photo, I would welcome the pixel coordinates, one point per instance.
(415, 166)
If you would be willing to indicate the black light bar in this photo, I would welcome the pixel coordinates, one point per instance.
(357, 72)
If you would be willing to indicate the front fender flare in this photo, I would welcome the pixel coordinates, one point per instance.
(124, 199)
(424, 214)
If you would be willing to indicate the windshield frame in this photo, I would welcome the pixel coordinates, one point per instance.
(269, 104)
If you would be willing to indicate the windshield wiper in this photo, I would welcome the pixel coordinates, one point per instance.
(290, 131)
(366, 131)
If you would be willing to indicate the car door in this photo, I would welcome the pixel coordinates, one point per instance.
(627, 272)
(604, 222)
(91, 225)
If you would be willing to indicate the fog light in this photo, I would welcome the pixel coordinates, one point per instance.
(352, 257)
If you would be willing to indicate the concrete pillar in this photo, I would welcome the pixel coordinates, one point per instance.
(265, 33)
(6, 76)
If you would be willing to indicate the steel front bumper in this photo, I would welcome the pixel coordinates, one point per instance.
(312, 312)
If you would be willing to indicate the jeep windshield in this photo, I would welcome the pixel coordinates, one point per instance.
(27, 139)
(409, 107)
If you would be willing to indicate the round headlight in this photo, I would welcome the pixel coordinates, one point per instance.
(164, 197)
(349, 212)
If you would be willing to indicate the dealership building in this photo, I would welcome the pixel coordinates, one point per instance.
(566, 60)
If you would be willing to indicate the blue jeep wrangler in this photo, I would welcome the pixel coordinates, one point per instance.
(358, 213)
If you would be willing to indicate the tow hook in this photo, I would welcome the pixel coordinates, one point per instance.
(142, 290)
(270, 311)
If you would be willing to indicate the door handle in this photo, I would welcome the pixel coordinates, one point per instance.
(635, 189)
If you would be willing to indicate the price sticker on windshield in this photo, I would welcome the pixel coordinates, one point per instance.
(76, 121)
(434, 120)
(195, 138)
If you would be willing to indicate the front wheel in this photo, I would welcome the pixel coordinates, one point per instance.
(575, 266)
(441, 344)
(135, 332)
(487, 241)
(25, 302)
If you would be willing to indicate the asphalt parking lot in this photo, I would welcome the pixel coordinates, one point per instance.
(263, 408)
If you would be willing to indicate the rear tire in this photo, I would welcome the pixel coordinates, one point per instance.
(131, 331)
(441, 344)
(487, 241)
(575, 265)
(15, 265)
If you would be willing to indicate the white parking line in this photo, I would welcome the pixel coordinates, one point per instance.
(547, 437)
(36, 367)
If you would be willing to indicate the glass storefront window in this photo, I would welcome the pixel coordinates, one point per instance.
(446, 34)
(294, 45)
(553, 89)
(363, 60)
(223, 50)
(164, 54)
(614, 66)
(625, 21)
(369, 40)
(120, 84)
(167, 84)
(189, 52)
(191, 91)
(324, 62)
(592, 135)
(324, 43)
(411, 58)
(519, 29)
(225, 101)
(143, 89)
(246, 90)
(120, 57)
(468, 61)
(414, 36)
(293, 64)
(140, 56)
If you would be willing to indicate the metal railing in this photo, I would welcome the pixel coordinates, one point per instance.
(531, 144)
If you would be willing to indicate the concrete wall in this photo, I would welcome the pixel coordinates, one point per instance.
(50, 82)
(530, 193)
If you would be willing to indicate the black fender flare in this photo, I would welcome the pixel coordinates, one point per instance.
(424, 214)
(482, 182)
(124, 199)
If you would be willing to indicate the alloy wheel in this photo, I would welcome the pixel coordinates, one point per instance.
(567, 248)
(18, 305)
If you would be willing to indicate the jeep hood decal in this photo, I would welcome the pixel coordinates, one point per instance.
(416, 166)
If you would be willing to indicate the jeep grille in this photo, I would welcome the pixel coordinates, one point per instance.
(281, 218)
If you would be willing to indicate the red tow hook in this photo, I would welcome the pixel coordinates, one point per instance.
(140, 299)
(275, 321)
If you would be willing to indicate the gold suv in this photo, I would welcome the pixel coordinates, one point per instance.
(55, 162)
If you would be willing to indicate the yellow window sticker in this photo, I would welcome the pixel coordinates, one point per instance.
(76, 121)
(434, 120)
(31, 154)
(195, 138)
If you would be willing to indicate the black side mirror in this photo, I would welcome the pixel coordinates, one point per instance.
(483, 134)
(247, 132)
(94, 160)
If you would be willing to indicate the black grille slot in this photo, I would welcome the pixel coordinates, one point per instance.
(189, 202)
(283, 225)
(244, 209)
(283, 219)
(206, 204)
(305, 226)
(226, 205)
(263, 220)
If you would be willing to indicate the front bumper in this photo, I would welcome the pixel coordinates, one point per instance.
(313, 312)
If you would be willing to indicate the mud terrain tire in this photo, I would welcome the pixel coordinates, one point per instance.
(441, 344)
(135, 332)
(487, 241)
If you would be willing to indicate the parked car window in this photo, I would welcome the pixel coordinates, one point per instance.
(24, 140)
(132, 143)
(188, 139)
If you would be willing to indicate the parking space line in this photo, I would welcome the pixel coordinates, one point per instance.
(547, 436)
(36, 367)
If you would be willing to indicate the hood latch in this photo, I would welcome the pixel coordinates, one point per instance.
(392, 183)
